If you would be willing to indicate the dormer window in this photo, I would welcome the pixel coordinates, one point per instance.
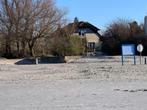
(82, 32)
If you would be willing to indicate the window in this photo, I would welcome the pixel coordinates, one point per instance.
(91, 45)
(82, 32)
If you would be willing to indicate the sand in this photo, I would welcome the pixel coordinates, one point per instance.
(85, 84)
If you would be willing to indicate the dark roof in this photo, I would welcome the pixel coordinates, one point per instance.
(82, 24)
(87, 25)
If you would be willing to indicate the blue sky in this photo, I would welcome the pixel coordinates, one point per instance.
(102, 12)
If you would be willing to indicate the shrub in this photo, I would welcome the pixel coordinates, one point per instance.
(68, 46)
(76, 45)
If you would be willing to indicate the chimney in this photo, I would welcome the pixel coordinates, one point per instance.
(145, 25)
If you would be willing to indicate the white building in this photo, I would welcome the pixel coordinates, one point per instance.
(145, 25)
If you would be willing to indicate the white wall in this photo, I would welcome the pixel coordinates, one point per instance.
(145, 25)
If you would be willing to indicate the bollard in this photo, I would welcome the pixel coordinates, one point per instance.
(145, 61)
(36, 61)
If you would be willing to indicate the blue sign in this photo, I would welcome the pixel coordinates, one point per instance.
(128, 49)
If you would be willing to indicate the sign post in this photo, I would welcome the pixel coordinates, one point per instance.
(140, 49)
(128, 50)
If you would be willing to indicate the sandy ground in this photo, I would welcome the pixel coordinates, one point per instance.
(85, 84)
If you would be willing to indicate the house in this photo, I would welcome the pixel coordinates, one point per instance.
(89, 32)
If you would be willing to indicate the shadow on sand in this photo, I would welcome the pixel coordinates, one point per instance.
(100, 57)
(41, 60)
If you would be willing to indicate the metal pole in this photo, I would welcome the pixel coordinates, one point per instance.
(144, 60)
(140, 58)
(134, 60)
(122, 60)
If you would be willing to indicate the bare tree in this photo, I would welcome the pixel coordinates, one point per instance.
(119, 30)
(135, 29)
(26, 21)
(6, 24)
(43, 20)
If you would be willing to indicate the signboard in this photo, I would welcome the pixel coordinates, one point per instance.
(128, 50)
(140, 48)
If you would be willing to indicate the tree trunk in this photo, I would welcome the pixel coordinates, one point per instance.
(23, 51)
(31, 45)
(8, 48)
(18, 48)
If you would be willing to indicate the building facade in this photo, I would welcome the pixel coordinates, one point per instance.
(90, 33)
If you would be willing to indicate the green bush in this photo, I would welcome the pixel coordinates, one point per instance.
(76, 45)
(68, 46)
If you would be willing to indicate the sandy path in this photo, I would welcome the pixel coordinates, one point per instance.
(87, 84)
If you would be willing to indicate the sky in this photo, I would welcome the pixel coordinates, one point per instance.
(103, 12)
